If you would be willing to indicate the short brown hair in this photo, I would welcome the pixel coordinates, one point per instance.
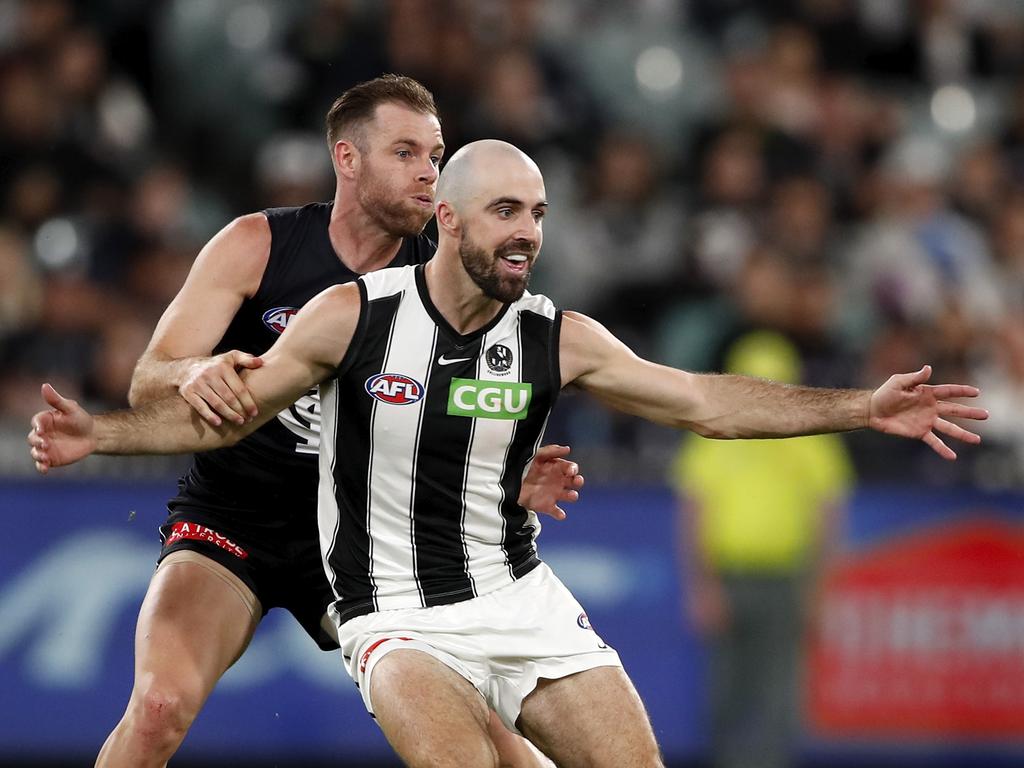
(357, 105)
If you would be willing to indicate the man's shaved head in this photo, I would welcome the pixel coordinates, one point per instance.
(490, 203)
(471, 167)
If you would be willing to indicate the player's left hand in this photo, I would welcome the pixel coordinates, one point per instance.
(551, 479)
(906, 405)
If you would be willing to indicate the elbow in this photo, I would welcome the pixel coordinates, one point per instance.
(230, 435)
(711, 433)
(201, 435)
(713, 429)
(135, 398)
(230, 440)
(137, 394)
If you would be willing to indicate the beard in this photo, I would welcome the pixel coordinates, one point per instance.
(393, 213)
(482, 267)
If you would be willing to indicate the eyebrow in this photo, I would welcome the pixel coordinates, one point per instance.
(514, 201)
(415, 143)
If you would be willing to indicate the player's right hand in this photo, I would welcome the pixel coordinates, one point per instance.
(215, 391)
(61, 435)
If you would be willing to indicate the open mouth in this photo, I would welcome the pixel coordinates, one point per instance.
(424, 201)
(517, 262)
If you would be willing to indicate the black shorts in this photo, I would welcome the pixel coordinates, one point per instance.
(280, 563)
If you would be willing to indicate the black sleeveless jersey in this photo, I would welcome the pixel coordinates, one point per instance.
(271, 475)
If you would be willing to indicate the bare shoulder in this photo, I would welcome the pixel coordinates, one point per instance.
(320, 333)
(238, 254)
(337, 297)
(578, 328)
(333, 310)
(585, 345)
(253, 226)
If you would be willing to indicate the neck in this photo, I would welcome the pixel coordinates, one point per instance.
(453, 292)
(358, 240)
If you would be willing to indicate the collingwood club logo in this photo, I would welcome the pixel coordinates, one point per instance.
(499, 359)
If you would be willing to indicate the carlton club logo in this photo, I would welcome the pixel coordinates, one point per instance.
(277, 319)
(499, 359)
(394, 389)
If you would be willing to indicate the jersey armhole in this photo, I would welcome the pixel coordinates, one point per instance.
(358, 335)
(555, 357)
(266, 277)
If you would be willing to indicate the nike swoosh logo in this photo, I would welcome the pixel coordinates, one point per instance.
(442, 360)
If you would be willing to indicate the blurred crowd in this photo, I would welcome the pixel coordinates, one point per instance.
(849, 173)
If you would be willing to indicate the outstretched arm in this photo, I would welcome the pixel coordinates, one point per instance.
(305, 355)
(726, 406)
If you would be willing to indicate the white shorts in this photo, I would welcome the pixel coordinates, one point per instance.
(501, 642)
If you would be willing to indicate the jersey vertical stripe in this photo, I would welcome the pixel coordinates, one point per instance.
(327, 510)
(444, 425)
(351, 555)
(539, 333)
(437, 508)
(485, 495)
(395, 432)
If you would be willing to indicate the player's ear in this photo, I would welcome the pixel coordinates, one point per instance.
(447, 217)
(346, 158)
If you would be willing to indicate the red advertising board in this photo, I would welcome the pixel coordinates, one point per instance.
(924, 637)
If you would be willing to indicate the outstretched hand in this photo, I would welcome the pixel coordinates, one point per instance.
(551, 479)
(906, 405)
(61, 435)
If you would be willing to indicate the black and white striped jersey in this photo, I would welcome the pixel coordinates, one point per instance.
(418, 503)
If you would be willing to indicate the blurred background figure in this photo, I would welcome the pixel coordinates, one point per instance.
(757, 521)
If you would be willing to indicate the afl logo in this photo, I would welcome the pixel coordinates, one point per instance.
(276, 319)
(499, 358)
(583, 621)
(394, 389)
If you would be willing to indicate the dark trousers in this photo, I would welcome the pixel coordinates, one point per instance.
(755, 667)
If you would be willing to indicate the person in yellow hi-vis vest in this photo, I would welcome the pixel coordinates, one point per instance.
(756, 520)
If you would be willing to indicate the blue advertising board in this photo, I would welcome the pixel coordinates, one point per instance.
(77, 556)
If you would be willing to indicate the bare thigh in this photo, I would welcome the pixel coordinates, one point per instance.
(196, 620)
(431, 715)
(591, 718)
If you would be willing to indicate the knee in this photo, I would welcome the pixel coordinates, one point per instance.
(162, 715)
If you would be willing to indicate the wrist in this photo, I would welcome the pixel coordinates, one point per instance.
(102, 436)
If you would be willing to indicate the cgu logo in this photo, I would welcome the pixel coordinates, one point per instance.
(394, 388)
(489, 399)
(276, 319)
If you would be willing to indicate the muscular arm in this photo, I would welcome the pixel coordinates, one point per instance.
(719, 406)
(306, 354)
(724, 406)
(227, 271)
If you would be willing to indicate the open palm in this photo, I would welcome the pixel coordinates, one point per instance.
(906, 405)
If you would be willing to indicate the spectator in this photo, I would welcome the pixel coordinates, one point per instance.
(757, 520)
